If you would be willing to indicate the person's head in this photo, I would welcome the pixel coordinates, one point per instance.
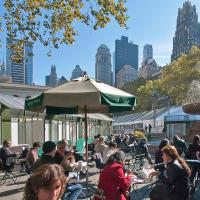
(127, 137)
(144, 140)
(36, 145)
(196, 139)
(118, 157)
(176, 138)
(164, 142)
(6, 143)
(47, 183)
(112, 145)
(65, 142)
(49, 148)
(171, 154)
(61, 146)
(101, 139)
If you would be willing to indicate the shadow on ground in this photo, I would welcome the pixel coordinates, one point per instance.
(11, 192)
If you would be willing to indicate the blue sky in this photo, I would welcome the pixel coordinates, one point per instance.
(151, 21)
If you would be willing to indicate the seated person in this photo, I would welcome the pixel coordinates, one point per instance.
(32, 155)
(100, 146)
(47, 183)
(6, 156)
(180, 145)
(193, 154)
(49, 150)
(143, 148)
(113, 183)
(48, 157)
(194, 148)
(109, 150)
(175, 185)
(159, 162)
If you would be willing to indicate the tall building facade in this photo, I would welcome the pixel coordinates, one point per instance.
(126, 53)
(103, 66)
(187, 30)
(77, 72)
(126, 73)
(147, 52)
(21, 71)
(149, 69)
(51, 80)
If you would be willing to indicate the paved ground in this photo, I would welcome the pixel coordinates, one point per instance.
(14, 191)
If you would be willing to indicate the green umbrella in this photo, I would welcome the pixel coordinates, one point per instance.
(74, 96)
(82, 95)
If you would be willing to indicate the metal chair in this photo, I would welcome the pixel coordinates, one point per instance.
(7, 174)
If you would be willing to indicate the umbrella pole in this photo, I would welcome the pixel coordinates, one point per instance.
(86, 142)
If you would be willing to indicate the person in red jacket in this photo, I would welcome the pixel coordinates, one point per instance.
(113, 183)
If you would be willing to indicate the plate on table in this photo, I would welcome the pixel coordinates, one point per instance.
(138, 181)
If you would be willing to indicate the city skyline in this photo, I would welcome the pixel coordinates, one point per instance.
(145, 27)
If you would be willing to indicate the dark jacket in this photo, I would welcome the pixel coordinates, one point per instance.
(178, 180)
(180, 146)
(192, 150)
(5, 153)
(159, 161)
(58, 158)
(44, 159)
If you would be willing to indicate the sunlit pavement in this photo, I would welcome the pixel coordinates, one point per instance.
(14, 191)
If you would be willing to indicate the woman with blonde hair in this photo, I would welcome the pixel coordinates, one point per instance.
(175, 185)
(48, 182)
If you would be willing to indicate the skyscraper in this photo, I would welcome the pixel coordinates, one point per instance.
(51, 80)
(103, 66)
(147, 52)
(126, 53)
(77, 72)
(187, 30)
(20, 71)
(126, 74)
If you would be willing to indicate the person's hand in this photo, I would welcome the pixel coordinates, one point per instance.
(153, 174)
(129, 173)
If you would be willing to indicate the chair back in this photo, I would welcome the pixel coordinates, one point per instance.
(97, 157)
(1, 165)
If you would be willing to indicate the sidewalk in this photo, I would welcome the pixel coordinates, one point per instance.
(14, 191)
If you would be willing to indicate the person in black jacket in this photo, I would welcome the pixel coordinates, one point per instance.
(158, 156)
(175, 185)
(6, 155)
(194, 148)
(179, 144)
(49, 151)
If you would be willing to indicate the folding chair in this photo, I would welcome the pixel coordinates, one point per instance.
(97, 157)
(7, 174)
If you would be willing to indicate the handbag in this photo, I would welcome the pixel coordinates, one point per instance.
(99, 193)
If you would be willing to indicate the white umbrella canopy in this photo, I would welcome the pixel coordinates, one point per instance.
(73, 96)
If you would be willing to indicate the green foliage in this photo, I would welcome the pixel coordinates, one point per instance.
(52, 22)
(175, 78)
(173, 83)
